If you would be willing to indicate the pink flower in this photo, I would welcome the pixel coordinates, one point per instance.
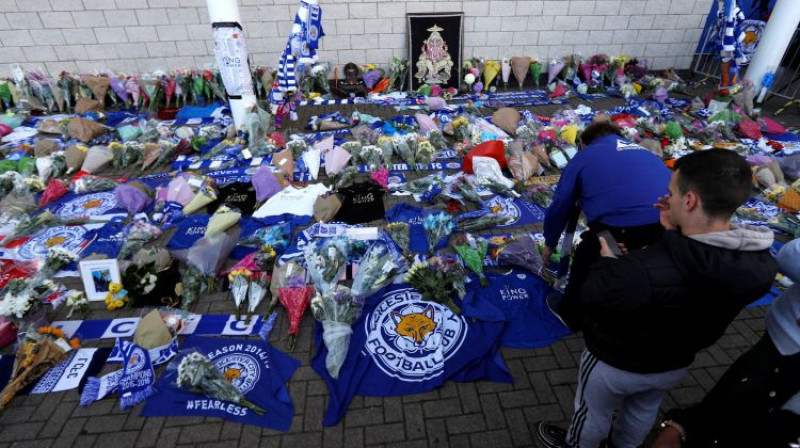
(381, 177)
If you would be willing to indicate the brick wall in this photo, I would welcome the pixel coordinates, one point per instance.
(143, 35)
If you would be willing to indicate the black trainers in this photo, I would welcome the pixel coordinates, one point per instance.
(551, 436)
(553, 301)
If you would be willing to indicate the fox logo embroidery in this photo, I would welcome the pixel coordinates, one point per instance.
(415, 326)
(92, 204)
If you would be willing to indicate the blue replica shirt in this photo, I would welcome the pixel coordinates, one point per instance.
(616, 183)
(404, 345)
(418, 241)
(517, 298)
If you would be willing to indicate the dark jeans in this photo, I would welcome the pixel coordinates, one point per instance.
(587, 252)
(743, 408)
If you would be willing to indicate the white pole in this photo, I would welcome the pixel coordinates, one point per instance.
(777, 35)
(231, 54)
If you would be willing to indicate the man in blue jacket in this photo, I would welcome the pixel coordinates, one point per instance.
(615, 183)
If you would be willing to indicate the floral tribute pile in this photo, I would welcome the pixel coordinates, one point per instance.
(124, 192)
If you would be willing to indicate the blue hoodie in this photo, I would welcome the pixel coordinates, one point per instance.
(616, 183)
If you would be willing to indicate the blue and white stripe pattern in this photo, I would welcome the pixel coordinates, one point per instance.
(287, 78)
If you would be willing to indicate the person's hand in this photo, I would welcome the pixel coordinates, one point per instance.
(664, 212)
(605, 249)
(547, 251)
(669, 437)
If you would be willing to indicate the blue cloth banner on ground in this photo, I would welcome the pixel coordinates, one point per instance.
(520, 212)
(258, 371)
(63, 376)
(71, 238)
(404, 345)
(517, 298)
(98, 206)
(124, 327)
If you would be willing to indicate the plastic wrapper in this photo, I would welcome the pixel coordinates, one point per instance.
(488, 171)
(84, 130)
(223, 219)
(287, 274)
(276, 236)
(377, 269)
(205, 195)
(97, 158)
(133, 196)
(75, 155)
(196, 373)
(209, 253)
(284, 161)
(521, 252)
(426, 123)
(553, 69)
(312, 158)
(296, 300)
(326, 260)
(92, 184)
(519, 67)
(522, 164)
(336, 311)
(335, 160)
(54, 191)
(472, 251)
(265, 183)
(179, 191)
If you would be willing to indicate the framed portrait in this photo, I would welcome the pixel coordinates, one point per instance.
(97, 275)
(435, 48)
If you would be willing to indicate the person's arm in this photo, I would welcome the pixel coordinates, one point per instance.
(558, 213)
(617, 284)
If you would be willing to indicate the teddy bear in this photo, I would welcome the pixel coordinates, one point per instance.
(117, 297)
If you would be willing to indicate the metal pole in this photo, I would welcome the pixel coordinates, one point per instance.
(231, 54)
(778, 34)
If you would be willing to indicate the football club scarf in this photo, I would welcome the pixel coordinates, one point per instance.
(134, 381)
(518, 299)
(254, 367)
(63, 376)
(404, 345)
(125, 327)
(158, 355)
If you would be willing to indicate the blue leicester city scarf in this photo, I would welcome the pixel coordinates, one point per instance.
(255, 368)
(518, 299)
(138, 376)
(404, 345)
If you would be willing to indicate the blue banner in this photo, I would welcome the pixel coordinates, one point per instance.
(404, 345)
(257, 370)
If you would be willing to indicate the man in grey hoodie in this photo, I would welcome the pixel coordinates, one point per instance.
(650, 311)
(756, 403)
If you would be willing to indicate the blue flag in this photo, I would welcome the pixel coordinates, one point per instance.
(520, 212)
(98, 206)
(259, 372)
(404, 345)
(517, 298)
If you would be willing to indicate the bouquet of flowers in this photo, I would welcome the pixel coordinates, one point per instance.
(336, 311)
(137, 235)
(387, 149)
(205, 259)
(371, 155)
(326, 259)
(521, 252)
(541, 195)
(57, 258)
(197, 374)
(297, 147)
(485, 221)
(465, 188)
(29, 226)
(276, 236)
(378, 267)
(76, 301)
(399, 233)
(265, 258)
(239, 282)
(20, 303)
(472, 251)
(425, 152)
(437, 279)
(353, 148)
(437, 226)
(346, 176)
(92, 184)
(381, 177)
(259, 285)
(36, 354)
(295, 300)
(436, 138)
(406, 154)
(398, 72)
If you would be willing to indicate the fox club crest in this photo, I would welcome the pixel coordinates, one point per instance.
(410, 338)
